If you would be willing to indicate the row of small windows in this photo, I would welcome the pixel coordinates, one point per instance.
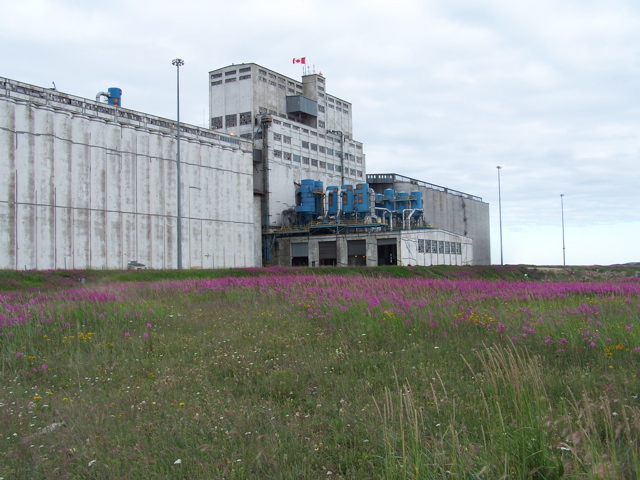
(315, 162)
(230, 80)
(231, 120)
(439, 246)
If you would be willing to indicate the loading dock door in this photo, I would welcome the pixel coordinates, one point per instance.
(328, 253)
(299, 254)
(387, 251)
(357, 253)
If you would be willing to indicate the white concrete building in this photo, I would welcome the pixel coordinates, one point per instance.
(92, 185)
(310, 134)
(89, 185)
(446, 209)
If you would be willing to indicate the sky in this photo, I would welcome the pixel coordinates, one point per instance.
(443, 91)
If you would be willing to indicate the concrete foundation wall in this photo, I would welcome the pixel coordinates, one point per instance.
(86, 185)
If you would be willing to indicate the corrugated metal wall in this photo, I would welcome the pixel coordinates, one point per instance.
(92, 191)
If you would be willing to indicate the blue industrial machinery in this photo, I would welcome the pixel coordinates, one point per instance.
(115, 96)
(309, 201)
(347, 201)
(361, 199)
(333, 201)
(356, 206)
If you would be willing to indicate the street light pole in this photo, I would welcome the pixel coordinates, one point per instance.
(564, 263)
(500, 214)
(178, 62)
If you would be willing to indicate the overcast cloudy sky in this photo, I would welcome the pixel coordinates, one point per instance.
(442, 91)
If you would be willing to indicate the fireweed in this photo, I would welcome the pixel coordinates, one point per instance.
(288, 376)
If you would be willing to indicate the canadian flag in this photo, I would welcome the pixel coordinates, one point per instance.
(302, 60)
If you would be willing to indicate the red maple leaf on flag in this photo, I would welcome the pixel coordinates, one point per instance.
(302, 60)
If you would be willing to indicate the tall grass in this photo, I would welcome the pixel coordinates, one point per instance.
(294, 376)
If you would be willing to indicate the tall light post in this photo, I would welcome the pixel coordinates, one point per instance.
(564, 263)
(500, 214)
(178, 62)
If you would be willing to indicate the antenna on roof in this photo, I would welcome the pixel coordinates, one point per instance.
(54, 86)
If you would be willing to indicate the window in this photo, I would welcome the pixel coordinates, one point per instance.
(353, 172)
(280, 79)
(286, 139)
(287, 155)
(440, 246)
(217, 82)
(330, 151)
(447, 248)
(231, 120)
(314, 162)
(330, 99)
(282, 87)
(229, 80)
(296, 158)
(321, 108)
(277, 153)
(313, 134)
(427, 246)
(262, 79)
(263, 72)
(216, 75)
(272, 75)
(245, 69)
(420, 246)
(288, 125)
(331, 106)
(338, 168)
(337, 108)
(321, 123)
(320, 80)
(272, 83)
(322, 149)
(245, 77)
(458, 248)
(216, 123)
(304, 130)
(305, 160)
(230, 72)
(296, 128)
(277, 137)
(291, 90)
(314, 147)
(330, 166)
(305, 144)
(323, 164)
(321, 89)
(245, 118)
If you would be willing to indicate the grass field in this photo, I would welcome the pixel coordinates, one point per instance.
(282, 373)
